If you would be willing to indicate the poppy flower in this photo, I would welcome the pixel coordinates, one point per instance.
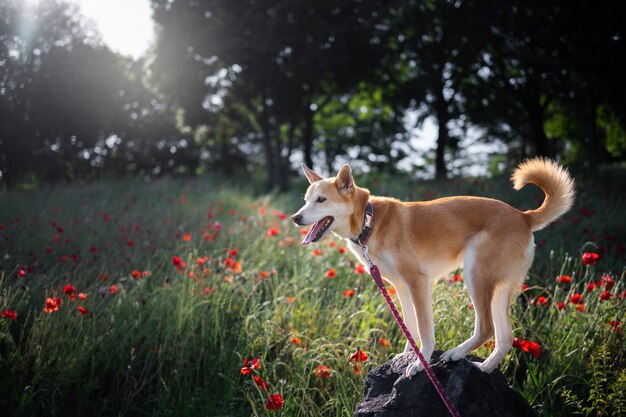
(250, 366)
(332, 244)
(608, 282)
(52, 304)
(360, 269)
(322, 371)
(531, 347)
(69, 289)
(178, 263)
(576, 299)
(616, 325)
(561, 305)
(274, 402)
(113, 289)
(233, 252)
(590, 258)
(358, 356)
(82, 296)
(82, 310)
(295, 340)
(260, 382)
(564, 279)
(606, 295)
(348, 293)
(135, 274)
(384, 342)
(317, 252)
(264, 274)
(272, 232)
(187, 237)
(581, 308)
(342, 250)
(591, 286)
(9, 314)
(331, 273)
(541, 301)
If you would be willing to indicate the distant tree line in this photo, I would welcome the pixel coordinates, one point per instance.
(257, 84)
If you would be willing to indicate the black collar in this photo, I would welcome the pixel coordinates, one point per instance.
(368, 224)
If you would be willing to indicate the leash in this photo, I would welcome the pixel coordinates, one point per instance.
(375, 273)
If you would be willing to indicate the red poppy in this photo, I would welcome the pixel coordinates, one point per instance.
(531, 347)
(576, 299)
(342, 250)
(541, 301)
(332, 244)
(233, 252)
(52, 304)
(322, 371)
(590, 258)
(384, 342)
(564, 279)
(606, 295)
(274, 402)
(317, 252)
(348, 293)
(561, 305)
(250, 366)
(608, 282)
(591, 286)
(82, 296)
(187, 237)
(113, 289)
(69, 289)
(616, 325)
(524, 287)
(9, 314)
(82, 310)
(358, 356)
(178, 263)
(260, 382)
(135, 274)
(581, 308)
(296, 340)
(331, 273)
(272, 232)
(360, 269)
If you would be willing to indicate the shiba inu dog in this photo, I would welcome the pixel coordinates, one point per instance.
(415, 242)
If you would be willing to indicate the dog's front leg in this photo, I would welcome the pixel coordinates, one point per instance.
(418, 317)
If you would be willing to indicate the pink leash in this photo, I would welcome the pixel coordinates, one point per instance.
(429, 371)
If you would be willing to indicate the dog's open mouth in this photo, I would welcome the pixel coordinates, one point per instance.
(318, 230)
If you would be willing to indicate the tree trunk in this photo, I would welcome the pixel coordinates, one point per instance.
(536, 119)
(441, 110)
(307, 138)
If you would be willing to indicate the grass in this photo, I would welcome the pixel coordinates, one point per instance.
(168, 337)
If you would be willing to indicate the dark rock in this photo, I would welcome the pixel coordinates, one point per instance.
(388, 393)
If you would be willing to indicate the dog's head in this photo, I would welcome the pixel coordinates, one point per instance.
(331, 204)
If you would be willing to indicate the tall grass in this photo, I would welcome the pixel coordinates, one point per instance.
(164, 336)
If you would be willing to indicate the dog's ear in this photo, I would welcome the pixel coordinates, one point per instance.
(344, 180)
(311, 175)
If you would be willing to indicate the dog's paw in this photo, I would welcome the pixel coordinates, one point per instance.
(413, 369)
(452, 355)
(483, 366)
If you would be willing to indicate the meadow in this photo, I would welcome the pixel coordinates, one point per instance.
(194, 297)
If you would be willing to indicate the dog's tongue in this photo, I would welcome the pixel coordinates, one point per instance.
(313, 232)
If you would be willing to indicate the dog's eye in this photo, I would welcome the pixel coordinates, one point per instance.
(320, 199)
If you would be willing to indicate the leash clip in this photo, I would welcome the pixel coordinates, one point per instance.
(365, 254)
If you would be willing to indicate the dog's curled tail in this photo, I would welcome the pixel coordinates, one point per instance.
(555, 182)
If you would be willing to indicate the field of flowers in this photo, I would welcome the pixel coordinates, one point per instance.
(194, 298)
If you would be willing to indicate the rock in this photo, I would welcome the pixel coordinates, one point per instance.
(388, 393)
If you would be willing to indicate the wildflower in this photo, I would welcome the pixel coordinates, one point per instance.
(606, 295)
(295, 340)
(113, 289)
(342, 250)
(581, 308)
(274, 402)
(290, 300)
(82, 296)
(82, 310)
(52, 304)
(68, 289)
(360, 269)
(591, 286)
(187, 237)
(590, 258)
(576, 299)
(541, 301)
(322, 371)
(135, 274)
(21, 273)
(564, 279)
(348, 293)
(331, 273)
(384, 342)
(260, 382)
(524, 287)
(272, 232)
(608, 282)
(561, 305)
(233, 252)
(9, 314)
(358, 356)
(615, 325)
(250, 366)
(531, 347)
(332, 244)
(178, 263)
(317, 252)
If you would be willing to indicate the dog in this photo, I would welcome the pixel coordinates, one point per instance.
(413, 243)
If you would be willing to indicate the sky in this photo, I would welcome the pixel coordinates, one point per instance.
(125, 25)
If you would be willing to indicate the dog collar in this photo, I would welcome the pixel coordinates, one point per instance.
(368, 223)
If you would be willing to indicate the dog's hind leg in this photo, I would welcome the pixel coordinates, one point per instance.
(504, 334)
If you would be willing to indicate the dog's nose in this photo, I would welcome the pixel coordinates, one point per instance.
(297, 219)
